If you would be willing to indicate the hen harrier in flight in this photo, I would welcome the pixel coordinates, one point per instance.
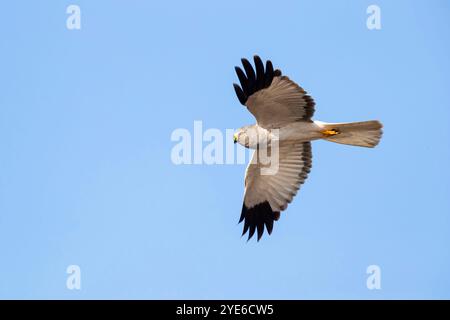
(280, 105)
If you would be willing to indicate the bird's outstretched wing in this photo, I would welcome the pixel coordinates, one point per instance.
(273, 99)
(266, 195)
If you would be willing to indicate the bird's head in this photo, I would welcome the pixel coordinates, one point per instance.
(246, 136)
(235, 137)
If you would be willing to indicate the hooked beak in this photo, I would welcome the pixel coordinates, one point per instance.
(235, 138)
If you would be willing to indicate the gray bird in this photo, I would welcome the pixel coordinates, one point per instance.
(284, 127)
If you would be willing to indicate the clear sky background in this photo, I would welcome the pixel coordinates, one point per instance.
(86, 176)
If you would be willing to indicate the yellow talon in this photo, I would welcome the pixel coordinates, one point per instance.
(330, 133)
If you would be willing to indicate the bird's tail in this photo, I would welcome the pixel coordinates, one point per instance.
(362, 134)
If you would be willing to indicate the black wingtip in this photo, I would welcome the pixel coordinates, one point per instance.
(240, 94)
(249, 70)
(242, 215)
(256, 217)
(260, 228)
(252, 81)
(259, 66)
(269, 74)
(258, 61)
(242, 78)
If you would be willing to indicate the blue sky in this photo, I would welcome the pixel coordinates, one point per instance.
(86, 176)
